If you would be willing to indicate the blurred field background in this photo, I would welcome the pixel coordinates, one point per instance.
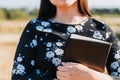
(13, 21)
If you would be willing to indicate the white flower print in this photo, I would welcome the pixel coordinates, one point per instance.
(92, 25)
(56, 61)
(59, 43)
(59, 51)
(19, 59)
(46, 34)
(108, 35)
(114, 73)
(71, 29)
(26, 45)
(39, 28)
(47, 30)
(114, 65)
(118, 52)
(33, 43)
(91, 30)
(118, 70)
(79, 28)
(27, 30)
(49, 44)
(47, 48)
(97, 35)
(41, 39)
(20, 67)
(29, 79)
(38, 72)
(34, 21)
(103, 27)
(14, 71)
(45, 24)
(119, 43)
(19, 70)
(50, 54)
(117, 56)
(32, 62)
(35, 36)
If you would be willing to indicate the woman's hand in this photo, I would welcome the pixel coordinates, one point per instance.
(76, 71)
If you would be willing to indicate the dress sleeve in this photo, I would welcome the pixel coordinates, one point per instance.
(113, 63)
(24, 60)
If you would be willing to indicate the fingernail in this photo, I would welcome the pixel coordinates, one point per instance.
(63, 63)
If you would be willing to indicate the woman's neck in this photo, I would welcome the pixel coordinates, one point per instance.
(69, 15)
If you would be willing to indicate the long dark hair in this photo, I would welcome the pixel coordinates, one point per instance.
(48, 10)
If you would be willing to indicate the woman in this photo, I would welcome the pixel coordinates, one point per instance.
(39, 52)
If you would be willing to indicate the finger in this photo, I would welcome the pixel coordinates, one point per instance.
(61, 78)
(64, 68)
(63, 74)
(75, 65)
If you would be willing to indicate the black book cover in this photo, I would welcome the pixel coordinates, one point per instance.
(88, 51)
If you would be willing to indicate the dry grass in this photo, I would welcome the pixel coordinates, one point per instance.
(9, 37)
(12, 26)
(10, 32)
(6, 59)
(7, 50)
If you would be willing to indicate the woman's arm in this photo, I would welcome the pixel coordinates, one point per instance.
(76, 71)
(113, 63)
(70, 71)
(24, 67)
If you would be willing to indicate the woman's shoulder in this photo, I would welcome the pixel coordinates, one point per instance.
(40, 25)
(100, 24)
(39, 22)
(103, 26)
(34, 21)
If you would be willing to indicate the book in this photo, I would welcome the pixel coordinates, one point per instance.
(90, 52)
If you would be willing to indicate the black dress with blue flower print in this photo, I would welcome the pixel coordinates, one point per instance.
(39, 52)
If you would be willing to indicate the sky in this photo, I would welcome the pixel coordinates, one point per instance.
(30, 4)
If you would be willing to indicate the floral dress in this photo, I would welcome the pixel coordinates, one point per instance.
(39, 52)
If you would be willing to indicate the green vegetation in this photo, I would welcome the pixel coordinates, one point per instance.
(2, 14)
(115, 11)
(13, 14)
(25, 14)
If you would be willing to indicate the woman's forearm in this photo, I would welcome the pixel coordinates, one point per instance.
(100, 76)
